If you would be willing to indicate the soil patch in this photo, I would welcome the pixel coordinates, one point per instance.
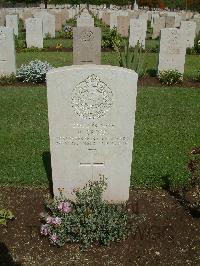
(145, 81)
(166, 235)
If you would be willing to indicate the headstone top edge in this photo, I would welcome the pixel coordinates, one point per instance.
(90, 66)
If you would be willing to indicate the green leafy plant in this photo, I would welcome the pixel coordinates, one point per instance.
(170, 77)
(5, 215)
(20, 44)
(197, 77)
(64, 34)
(132, 58)
(7, 79)
(111, 38)
(48, 36)
(89, 219)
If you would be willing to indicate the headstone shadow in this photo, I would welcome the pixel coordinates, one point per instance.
(5, 256)
(46, 158)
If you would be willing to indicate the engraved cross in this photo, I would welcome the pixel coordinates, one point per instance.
(92, 165)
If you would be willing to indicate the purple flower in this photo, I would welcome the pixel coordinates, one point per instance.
(49, 219)
(54, 220)
(64, 207)
(53, 238)
(44, 230)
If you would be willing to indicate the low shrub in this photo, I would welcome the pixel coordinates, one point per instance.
(7, 79)
(191, 51)
(89, 219)
(111, 38)
(65, 34)
(34, 72)
(5, 215)
(152, 72)
(170, 77)
(19, 44)
(48, 36)
(197, 77)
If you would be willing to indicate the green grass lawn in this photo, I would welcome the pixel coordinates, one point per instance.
(167, 127)
(58, 59)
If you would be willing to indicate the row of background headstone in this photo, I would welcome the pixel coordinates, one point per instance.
(87, 38)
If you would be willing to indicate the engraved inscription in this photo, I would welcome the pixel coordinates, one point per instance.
(173, 45)
(2, 36)
(91, 98)
(86, 36)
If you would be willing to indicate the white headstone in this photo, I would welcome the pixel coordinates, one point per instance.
(159, 23)
(12, 22)
(7, 51)
(172, 50)
(189, 29)
(34, 34)
(48, 23)
(138, 28)
(113, 20)
(91, 127)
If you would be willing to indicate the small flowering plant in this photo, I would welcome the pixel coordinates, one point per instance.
(170, 77)
(89, 219)
(59, 46)
(34, 72)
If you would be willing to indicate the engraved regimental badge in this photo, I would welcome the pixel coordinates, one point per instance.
(92, 98)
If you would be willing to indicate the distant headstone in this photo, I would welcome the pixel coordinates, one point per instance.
(159, 23)
(143, 15)
(113, 20)
(58, 20)
(153, 17)
(85, 21)
(172, 50)
(138, 28)
(48, 23)
(123, 23)
(86, 45)
(34, 34)
(12, 22)
(91, 127)
(170, 22)
(7, 51)
(106, 18)
(2, 18)
(197, 20)
(189, 29)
